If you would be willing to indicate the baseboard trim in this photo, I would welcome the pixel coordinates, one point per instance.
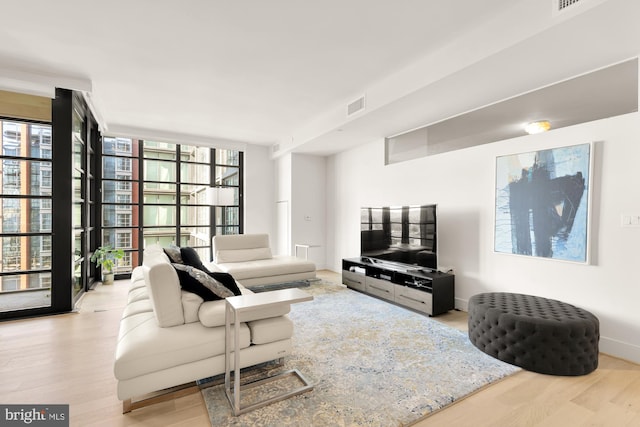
(620, 349)
(462, 304)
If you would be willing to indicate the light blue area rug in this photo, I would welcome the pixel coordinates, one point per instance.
(372, 363)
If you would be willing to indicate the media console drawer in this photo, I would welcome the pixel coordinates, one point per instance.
(414, 298)
(379, 288)
(354, 280)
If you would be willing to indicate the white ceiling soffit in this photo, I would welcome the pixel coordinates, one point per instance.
(174, 137)
(39, 83)
(608, 92)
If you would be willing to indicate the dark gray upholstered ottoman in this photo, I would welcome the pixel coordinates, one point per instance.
(538, 334)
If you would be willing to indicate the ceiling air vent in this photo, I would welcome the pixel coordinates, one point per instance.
(563, 4)
(560, 7)
(355, 106)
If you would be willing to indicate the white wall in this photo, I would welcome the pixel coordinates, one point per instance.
(281, 242)
(259, 173)
(300, 206)
(462, 184)
(308, 195)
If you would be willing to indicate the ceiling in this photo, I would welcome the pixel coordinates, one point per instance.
(281, 73)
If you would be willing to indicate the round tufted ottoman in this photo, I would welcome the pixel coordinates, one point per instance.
(538, 334)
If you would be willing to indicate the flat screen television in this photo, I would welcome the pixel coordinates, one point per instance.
(406, 234)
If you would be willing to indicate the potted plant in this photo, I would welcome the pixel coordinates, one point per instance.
(105, 257)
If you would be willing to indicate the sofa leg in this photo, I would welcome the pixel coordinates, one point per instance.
(126, 406)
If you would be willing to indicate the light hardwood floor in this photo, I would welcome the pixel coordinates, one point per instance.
(69, 359)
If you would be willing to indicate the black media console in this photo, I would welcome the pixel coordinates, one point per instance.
(421, 289)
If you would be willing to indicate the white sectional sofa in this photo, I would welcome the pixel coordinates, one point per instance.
(170, 337)
(248, 258)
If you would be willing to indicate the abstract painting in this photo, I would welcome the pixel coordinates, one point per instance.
(542, 203)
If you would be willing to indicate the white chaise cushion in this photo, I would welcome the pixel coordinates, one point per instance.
(239, 241)
(143, 347)
(137, 274)
(138, 293)
(212, 313)
(241, 255)
(240, 247)
(137, 307)
(276, 266)
(137, 283)
(270, 330)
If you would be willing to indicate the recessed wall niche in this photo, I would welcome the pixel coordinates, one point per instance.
(607, 92)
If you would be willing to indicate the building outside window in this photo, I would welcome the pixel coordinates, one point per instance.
(45, 245)
(123, 220)
(123, 198)
(123, 182)
(45, 177)
(123, 240)
(123, 146)
(45, 222)
(123, 165)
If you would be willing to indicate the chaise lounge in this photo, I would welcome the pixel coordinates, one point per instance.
(248, 258)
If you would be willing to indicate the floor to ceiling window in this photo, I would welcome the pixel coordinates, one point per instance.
(64, 190)
(157, 193)
(25, 225)
(47, 209)
(120, 199)
(58, 205)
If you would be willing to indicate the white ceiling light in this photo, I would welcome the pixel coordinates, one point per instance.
(537, 127)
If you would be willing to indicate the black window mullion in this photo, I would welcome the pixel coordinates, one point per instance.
(240, 192)
(212, 209)
(62, 202)
(140, 199)
(179, 194)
